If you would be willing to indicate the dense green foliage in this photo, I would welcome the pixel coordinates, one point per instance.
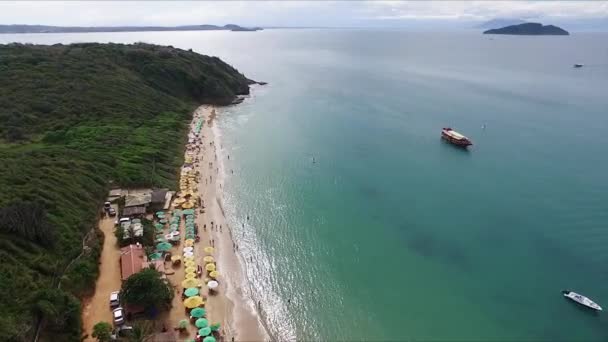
(102, 331)
(147, 289)
(76, 119)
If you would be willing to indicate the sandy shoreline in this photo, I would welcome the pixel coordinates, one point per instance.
(230, 307)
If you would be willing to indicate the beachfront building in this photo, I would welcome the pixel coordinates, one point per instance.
(132, 259)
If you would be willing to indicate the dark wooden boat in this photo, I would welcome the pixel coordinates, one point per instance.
(455, 138)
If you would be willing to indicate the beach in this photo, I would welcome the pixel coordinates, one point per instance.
(229, 306)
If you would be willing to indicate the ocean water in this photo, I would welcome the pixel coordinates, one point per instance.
(364, 225)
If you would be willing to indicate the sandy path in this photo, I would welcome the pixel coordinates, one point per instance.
(97, 308)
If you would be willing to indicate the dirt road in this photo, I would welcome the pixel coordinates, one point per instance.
(97, 308)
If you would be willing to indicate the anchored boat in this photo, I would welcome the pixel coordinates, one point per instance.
(455, 138)
(581, 300)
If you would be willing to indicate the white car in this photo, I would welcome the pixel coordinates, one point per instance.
(114, 299)
(119, 316)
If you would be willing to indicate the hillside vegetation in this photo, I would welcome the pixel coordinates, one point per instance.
(76, 119)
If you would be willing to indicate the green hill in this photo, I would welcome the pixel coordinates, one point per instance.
(75, 119)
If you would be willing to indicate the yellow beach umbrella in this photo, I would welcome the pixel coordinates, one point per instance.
(189, 241)
(214, 274)
(210, 267)
(209, 258)
(190, 269)
(190, 276)
(176, 257)
(193, 302)
(188, 258)
(190, 283)
(189, 263)
(179, 200)
(187, 205)
(209, 249)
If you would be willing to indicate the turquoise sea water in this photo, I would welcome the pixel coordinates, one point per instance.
(392, 234)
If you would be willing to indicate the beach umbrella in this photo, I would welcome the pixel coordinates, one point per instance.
(189, 263)
(160, 213)
(189, 217)
(191, 292)
(190, 283)
(190, 276)
(189, 243)
(174, 226)
(209, 258)
(193, 302)
(215, 327)
(209, 339)
(210, 267)
(190, 269)
(209, 249)
(204, 331)
(188, 254)
(197, 312)
(175, 257)
(179, 200)
(201, 323)
(190, 236)
(187, 205)
(188, 249)
(214, 274)
(188, 212)
(155, 256)
(158, 226)
(188, 258)
(183, 324)
(163, 221)
(164, 246)
(212, 284)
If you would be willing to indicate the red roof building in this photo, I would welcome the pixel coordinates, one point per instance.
(132, 259)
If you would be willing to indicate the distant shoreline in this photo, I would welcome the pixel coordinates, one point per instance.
(16, 29)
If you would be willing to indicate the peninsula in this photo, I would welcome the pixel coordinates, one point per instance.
(77, 120)
(530, 29)
(85, 29)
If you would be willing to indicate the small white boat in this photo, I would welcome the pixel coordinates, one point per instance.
(581, 300)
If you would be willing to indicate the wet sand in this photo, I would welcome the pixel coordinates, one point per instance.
(97, 308)
(228, 306)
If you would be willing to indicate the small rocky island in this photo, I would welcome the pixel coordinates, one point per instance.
(530, 29)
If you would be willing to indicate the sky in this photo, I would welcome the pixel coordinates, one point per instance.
(297, 13)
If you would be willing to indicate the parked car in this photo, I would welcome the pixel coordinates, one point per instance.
(112, 212)
(107, 206)
(122, 331)
(122, 220)
(114, 299)
(119, 316)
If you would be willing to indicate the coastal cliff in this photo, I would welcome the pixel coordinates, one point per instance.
(76, 119)
(532, 29)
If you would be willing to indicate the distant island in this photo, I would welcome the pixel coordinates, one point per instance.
(84, 29)
(530, 29)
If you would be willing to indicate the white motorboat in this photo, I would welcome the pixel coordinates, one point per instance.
(581, 300)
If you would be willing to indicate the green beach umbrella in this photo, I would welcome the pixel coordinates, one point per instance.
(183, 324)
(209, 339)
(215, 327)
(198, 312)
(160, 213)
(164, 246)
(192, 291)
(201, 323)
(204, 331)
(174, 226)
(155, 256)
(188, 212)
(189, 217)
(163, 221)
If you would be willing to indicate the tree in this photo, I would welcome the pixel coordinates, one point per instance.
(102, 331)
(147, 289)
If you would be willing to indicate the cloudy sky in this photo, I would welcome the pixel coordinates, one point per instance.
(293, 13)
